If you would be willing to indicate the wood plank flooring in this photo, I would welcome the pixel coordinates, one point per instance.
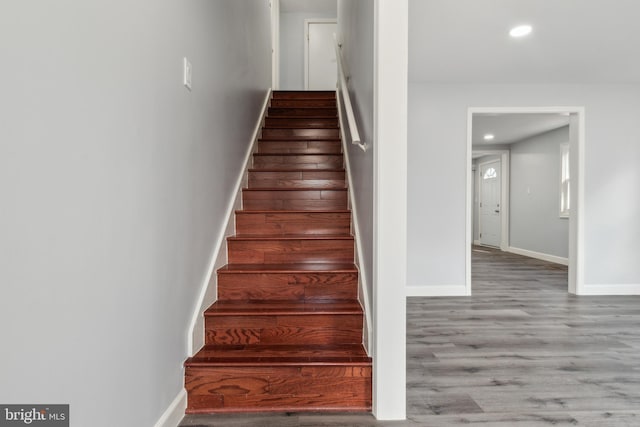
(520, 352)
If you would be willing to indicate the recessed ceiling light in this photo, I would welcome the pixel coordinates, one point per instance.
(520, 31)
(489, 137)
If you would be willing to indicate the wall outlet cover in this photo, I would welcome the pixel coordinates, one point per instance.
(186, 78)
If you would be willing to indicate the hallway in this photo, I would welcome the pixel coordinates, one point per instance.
(519, 352)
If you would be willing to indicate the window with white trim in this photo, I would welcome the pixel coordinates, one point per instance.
(565, 180)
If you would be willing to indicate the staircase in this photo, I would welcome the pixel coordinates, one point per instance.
(286, 332)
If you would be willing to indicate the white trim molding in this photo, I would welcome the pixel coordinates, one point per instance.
(437, 291)
(174, 412)
(208, 289)
(576, 221)
(390, 88)
(612, 289)
(538, 255)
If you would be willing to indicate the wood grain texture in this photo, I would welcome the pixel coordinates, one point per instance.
(298, 134)
(519, 352)
(298, 161)
(301, 122)
(304, 94)
(278, 250)
(302, 112)
(301, 147)
(286, 331)
(302, 199)
(286, 223)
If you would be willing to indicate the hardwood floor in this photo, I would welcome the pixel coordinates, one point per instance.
(520, 352)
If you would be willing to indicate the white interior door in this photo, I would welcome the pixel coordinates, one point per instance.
(321, 71)
(490, 209)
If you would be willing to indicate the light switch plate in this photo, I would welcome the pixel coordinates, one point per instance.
(186, 78)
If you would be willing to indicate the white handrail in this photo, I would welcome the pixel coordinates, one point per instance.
(344, 90)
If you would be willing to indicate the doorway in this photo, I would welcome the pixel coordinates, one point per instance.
(574, 117)
(320, 65)
(489, 203)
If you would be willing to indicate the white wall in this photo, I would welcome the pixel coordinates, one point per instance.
(355, 27)
(114, 181)
(535, 223)
(292, 47)
(437, 177)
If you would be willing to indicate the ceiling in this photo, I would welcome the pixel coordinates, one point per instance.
(513, 127)
(573, 41)
(313, 6)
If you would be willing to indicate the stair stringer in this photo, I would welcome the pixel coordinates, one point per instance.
(209, 288)
(363, 293)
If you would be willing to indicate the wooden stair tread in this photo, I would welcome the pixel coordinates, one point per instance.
(287, 355)
(286, 332)
(296, 154)
(282, 308)
(293, 189)
(330, 267)
(292, 237)
(295, 170)
(274, 212)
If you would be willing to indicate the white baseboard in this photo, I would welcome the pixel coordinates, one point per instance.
(538, 255)
(611, 289)
(208, 290)
(174, 412)
(477, 242)
(436, 291)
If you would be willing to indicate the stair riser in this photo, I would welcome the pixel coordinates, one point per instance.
(287, 286)
(301, 123)
(268, 133)
(270, 330)
(303, 147)
(297, 179)
(302, 112)
(297, 183)
(258, 389)
(289, 251)
(311, 161)
(312, 200)
(282, 224)
(303, 94)
(298, 103)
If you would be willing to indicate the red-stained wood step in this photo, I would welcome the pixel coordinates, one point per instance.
(298, 161)
(281, 249)
(283, 322)
(287, 133)
(338, 387)
(284, 223)
(302, 112)
(293, 199)
(330, 179)
(288, 282)
(303, 94)
(300, 147)
(303, 103)
(301, 122)
(286, 331)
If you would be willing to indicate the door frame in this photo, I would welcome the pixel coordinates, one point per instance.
(308, 22)
(504, 194)
(576, 221)
(275, 44)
